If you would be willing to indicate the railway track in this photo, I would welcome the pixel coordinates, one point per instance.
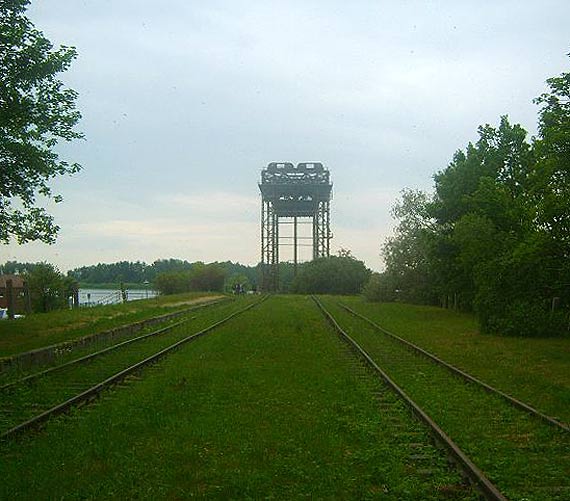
(460, 373)
(70, 353)
(503, 447)
(14, 366)
(30, 401)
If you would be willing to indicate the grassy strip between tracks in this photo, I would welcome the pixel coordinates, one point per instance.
(523, 456)
(44, 329)
(536, 371)
(202, 312)
(58, 386)
(26, 401)
(270, 406)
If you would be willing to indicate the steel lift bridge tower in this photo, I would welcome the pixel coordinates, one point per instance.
(290, 193)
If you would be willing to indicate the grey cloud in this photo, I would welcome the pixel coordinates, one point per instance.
(194, 98)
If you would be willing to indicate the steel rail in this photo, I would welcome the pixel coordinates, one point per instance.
(475, 475)
(96, 354)
(88, 357)
(94, 391)
(466, 376)
(27, 358)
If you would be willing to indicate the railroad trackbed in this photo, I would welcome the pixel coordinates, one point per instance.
(276, 405)
(523, 453)
(29, 400)
(12, 366)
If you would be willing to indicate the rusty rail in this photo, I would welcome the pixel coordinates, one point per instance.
(466, 376)
(94, 391)
(46, 354)
(475, 475)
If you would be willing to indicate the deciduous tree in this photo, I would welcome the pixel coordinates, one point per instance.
(36, 112)
(49, 289)
(496, 234)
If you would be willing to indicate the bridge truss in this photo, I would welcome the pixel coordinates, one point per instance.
(293, 195)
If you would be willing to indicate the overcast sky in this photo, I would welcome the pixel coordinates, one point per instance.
(184, 102)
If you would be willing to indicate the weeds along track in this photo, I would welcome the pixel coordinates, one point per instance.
(525, 455)
(33, 399)
(15, 365)
(474, 474)
(458, 372)
(71, 353)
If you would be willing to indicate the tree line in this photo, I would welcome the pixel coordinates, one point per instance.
(138, 272)
(342, 274)
(168, 276)
(494, 235)
(50, 289)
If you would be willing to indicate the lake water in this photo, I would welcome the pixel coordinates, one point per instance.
(93, 297)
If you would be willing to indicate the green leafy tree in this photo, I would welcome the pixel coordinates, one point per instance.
(496, 234)
(501, 159)
(167, 265)
(484, 191)
(232, 269)
(48, 288)
(331, 275)
(237, 279)
(207, 277)
(380, 288)
(408, 254)
(36, 112)
(553, 152)
(172, 282)
(201, 277)
(15, 267)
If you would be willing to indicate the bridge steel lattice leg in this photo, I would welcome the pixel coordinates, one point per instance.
(269, 247)
(321, 230)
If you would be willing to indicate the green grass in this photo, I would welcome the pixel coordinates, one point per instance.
(526, 458)
(44, 329)
(536, 371)
(23, 402)
(272, 405)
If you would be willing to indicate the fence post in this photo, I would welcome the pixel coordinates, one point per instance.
(27, 299)
(10, 298)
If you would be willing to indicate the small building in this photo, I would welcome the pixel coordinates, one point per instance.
(18, 291)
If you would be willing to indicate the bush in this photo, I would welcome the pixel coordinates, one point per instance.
(516, 291)
(524, 318)
(331, 275)
(172, 282)
(379, 288)
(202, 277)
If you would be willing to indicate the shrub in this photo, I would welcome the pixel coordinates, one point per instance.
(331, 275)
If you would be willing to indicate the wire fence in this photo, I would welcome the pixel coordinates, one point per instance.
(99, 297)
